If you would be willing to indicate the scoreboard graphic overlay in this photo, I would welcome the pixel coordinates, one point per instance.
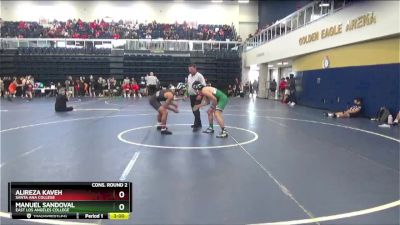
(70, 200)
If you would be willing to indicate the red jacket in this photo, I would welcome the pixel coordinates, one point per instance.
(135, 87)
(126, 87)
(282, 85)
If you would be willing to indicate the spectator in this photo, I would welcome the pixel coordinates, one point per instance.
(142, 86)
(6, 84)
(116, 30)
(287, 91)
(246, 88)
(1, 87)
(29, 90)
(251, 89)
(282, 87)
(292, 91)
(135, 89)
(12, 89)
(126, 89)
(389, 123)
(61, 102)
(353, 111)
(69, 87)
(272, 88)
(92, 90)
(59, 86)
(237, 87)
(255, 86)
(230, 91)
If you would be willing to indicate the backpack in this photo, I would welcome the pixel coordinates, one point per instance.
(383, 115)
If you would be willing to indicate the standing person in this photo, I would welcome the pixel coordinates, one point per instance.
(166, 96)
(272, 88)
(67, 84)
(287, 91)
(282, 86)
(77, 85)
(292, 90)
(194, 99)
(1, 87)
(12, 89)
(255, 87)
(251, 89)
(142, 86)
(22, 84)
(152, 83)
(218, 102)
(238, 87)
(70, 89)
(6, 84)
(29, 90)
(91, 86)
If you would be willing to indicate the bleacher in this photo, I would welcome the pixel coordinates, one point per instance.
(220, 67)
(63, 51)
(117, 30)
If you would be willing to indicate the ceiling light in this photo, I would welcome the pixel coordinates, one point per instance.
(324, 5)
(243, 1)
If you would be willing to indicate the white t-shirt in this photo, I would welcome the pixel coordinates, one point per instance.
(191, 79)
(152, 80)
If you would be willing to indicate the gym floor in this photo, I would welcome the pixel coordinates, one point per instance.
(278, 164)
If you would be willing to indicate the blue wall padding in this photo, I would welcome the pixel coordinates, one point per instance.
(377, 85)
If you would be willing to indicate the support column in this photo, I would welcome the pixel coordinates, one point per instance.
(245, 74)
(262, 81)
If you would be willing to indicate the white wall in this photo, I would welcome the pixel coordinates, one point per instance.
(387, 23)
(204, 12)
(248, 19)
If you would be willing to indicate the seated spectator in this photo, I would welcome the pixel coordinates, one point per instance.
(135, 89)
(389, 123)
(230, 91)
(397, 119)
(126, 89)
(116, 30)
(61, 102)
(353, 111)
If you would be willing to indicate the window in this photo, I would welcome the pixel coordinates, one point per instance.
(308, 14)
(288, 26)
(294, 22)
(301, 18)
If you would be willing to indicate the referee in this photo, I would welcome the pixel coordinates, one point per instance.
(194, 99)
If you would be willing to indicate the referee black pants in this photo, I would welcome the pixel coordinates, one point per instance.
(197, 120)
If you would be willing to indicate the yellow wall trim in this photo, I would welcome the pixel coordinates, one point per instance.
(377, 52)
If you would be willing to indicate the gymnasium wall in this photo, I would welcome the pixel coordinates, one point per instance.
(387, 22)
(370, 70)
(202, 12)
(273, 10)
